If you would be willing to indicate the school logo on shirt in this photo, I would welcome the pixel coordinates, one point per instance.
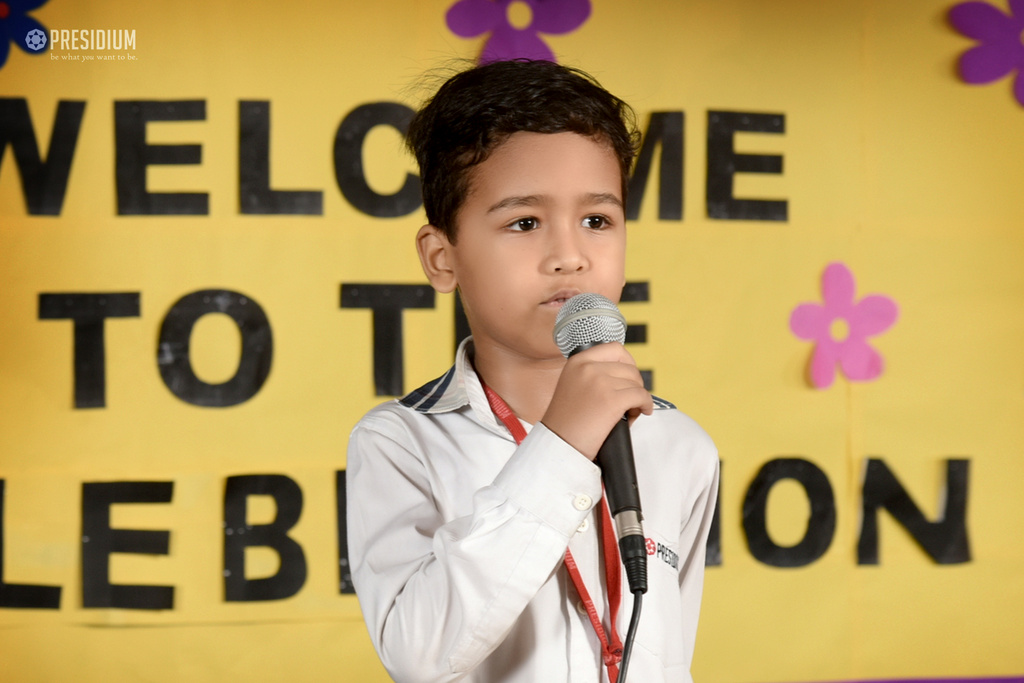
(663, 552)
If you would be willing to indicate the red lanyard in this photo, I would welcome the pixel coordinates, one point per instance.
(611, 649)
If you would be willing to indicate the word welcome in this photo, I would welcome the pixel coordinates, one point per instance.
(44, 182)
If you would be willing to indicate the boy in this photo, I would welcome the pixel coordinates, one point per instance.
(473, 518)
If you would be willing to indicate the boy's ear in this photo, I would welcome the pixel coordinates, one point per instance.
(433, 248)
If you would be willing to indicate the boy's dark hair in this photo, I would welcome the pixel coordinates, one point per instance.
(478, 109)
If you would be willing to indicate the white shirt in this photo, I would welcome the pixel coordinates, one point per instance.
(457, 539)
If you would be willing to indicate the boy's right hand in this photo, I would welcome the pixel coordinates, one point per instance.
(596, 388)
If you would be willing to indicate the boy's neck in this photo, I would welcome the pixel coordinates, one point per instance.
(525, 384)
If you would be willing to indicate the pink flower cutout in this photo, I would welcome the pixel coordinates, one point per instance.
(840, 327)
(471, 18)
(1000, 51)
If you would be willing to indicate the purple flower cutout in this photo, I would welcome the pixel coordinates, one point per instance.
(1000, 50)
(471, 18)
(17, 27)
(840, 327)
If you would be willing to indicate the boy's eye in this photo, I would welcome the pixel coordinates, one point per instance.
(524, 224)
(595, 222)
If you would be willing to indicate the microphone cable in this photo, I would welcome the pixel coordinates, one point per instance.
(627, 646)
(633, 551)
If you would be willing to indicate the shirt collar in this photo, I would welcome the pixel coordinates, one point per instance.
(458, 388)
(448, 392)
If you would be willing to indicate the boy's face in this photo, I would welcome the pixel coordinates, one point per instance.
(543, 220)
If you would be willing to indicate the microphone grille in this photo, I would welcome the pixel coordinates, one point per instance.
(586, 320)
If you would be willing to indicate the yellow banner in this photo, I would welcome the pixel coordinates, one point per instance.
(208, 275)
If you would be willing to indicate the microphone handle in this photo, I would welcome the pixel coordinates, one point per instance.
(618, 470)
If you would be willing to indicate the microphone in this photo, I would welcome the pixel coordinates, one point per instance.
(584, 321)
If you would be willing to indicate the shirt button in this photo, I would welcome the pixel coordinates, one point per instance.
(581, 608)
(584, 525)
(583, 502)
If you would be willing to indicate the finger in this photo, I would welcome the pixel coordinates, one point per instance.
(635, 399)
(610, 352)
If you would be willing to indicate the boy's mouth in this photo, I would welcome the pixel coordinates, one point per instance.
(560, 297)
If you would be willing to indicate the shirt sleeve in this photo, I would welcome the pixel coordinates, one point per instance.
(438, 595)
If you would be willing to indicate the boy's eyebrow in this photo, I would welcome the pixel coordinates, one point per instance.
(603, 198)
(515, 202)
(535, 199)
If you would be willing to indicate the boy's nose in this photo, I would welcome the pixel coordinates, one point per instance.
(566, 253)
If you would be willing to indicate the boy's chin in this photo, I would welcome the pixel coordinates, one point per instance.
(547, 352)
